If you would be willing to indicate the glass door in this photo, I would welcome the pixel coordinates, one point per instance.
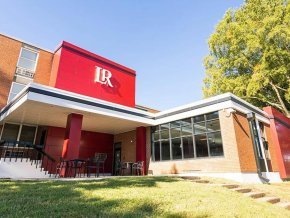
(117, 159)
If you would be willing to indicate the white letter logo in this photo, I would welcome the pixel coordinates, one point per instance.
(103, 76)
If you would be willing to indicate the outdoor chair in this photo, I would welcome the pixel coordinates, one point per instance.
(101, 160)
(139, 167)
(121, 168)
(59, 167)
(91, 165)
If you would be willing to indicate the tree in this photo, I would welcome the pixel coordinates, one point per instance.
(249, 54)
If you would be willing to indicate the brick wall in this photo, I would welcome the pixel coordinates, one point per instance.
(43, 68)
(228, 163)
(128, 145)
(244, 143)
(9, 53)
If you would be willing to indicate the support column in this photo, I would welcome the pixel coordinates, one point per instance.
(141, 146)
(71, 144)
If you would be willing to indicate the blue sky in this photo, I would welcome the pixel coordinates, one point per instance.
(165, 41)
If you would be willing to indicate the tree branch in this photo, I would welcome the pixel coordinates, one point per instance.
(268, 102)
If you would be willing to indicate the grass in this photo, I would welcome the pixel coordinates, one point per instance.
(127, 197)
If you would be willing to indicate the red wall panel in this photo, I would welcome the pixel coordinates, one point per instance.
(74, 69)
(280, 132)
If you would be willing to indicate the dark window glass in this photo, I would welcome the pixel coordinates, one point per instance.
(201, 145)
(164, 126)
(186, 130)
(175, 123)
(188, 151)
(175, 132)
(212, 116)
(156, 136)
(154, 128)
(213, 125)
(215, 144)
(156, 151)
(10, 132)
(165, 150)
(199, 128)
(198, 119)
(27, 134)
(164, 134)
(186, 122)
(176, 148)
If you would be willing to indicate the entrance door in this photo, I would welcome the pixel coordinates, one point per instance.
(117, 158)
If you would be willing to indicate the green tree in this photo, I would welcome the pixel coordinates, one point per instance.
(249, 54)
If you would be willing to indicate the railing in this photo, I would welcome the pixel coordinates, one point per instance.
(24, 72)
(24, 151)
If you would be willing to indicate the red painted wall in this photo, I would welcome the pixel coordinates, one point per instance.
(74, 70)
(280, 133)
(91, 142)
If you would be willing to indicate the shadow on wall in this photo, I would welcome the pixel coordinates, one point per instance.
(82, 198)
(4, 80)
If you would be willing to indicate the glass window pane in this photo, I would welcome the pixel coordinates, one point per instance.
(201, 145)
(176, 148)
(164, 126)
(156, 136)
(215, 144)
(10, 132)
(154, 128)
(164, 134)
(198, 119)
(213, 125)
(27, 134)
(212, 116)
(16, 88)
(188, 151)
(199, 128)
(175, 132)
(157, 151)
(27, 64)
(186, 130)
(186, 122)
(175, 123)
(165, 150)
(28, 54)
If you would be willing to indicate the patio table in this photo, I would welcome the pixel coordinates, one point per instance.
(129, 166)
(76, 164)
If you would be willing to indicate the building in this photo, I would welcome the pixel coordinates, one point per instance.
(77, 103)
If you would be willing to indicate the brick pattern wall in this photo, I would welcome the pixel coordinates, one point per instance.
(9, 53)
(43, 68)
(128, 145)
(272, 151)
(244, 143)
(228, 163)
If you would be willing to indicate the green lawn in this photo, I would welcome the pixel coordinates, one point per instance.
(127, 197)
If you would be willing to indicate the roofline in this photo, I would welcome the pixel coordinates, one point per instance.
(25, 42)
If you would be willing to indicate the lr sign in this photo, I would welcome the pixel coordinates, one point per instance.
(103, 76)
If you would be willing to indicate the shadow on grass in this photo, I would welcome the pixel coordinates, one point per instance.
(74, 198)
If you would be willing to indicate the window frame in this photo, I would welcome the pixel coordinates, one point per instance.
(24, 47)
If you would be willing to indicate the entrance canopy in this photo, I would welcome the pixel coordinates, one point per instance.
(43, 105)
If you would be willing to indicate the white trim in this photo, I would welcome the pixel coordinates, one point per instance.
(19, 57)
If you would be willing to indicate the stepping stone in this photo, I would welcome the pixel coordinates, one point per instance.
(255, 194)
(230, 186)
(272, 200)
(242, 190)
(201, 181)
(191, 177)
(285, 205)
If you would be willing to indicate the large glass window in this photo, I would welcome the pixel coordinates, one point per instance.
(15, 89)
(27, 59)
(192, 137)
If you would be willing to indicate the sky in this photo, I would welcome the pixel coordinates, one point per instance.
(165, 41)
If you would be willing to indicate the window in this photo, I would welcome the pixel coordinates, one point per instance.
(194, 137)
(17, 132)
(15, 89)
(27, 59)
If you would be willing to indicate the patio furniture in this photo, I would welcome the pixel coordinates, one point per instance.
(60, 166)
(139, 167)
(100, 159)
(91, 164)
(75, 167)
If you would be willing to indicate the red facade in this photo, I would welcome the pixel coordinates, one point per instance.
(76, 70)
(280, 132)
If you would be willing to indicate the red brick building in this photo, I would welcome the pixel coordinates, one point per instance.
(76, 103)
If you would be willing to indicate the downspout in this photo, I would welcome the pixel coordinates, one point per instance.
(251, 118)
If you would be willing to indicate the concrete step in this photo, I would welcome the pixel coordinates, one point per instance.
(242, 190)
(285, 205)
(272, 200)
(190, 177)
(230, 186)
(201, 181)
(255, 194)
